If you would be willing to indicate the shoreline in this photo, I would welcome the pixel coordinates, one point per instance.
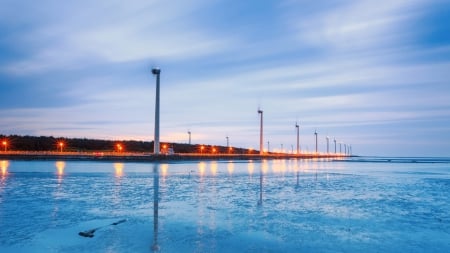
(149, 157)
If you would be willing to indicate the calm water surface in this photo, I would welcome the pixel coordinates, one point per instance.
(364, 204)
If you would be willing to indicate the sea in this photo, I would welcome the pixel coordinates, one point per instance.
(355, 204)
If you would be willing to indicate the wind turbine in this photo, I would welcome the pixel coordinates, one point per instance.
(315, 133)
(156, 72)
(298, 137)
(335, 145)
(261, 146)
(189, 132)
(328, 144)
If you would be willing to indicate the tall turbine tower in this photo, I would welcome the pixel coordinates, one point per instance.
(328, 144)
(189, 132)
(261, 145)
(156, 72)
(315, 133)
(298, 138)
(335, 145)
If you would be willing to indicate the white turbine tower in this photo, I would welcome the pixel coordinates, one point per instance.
(328, 144)
(315, 133)
(156, 72)
(261, 145)
(335, 145)
(298, 138)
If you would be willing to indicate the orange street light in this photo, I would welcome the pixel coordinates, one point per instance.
(119, 147)
(5, 144)
(201, 149)
(214, 150)
(61, 145)
(230, 150)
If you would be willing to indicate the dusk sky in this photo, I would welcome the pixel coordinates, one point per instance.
(371, 73)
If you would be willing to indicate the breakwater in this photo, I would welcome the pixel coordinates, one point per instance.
(149, 157)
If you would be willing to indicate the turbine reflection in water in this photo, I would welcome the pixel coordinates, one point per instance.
(264, 168)
(155, 246)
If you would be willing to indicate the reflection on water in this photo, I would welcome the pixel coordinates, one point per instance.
(230, 168)
(202, 168)
(261, 178)
(250, 168)
(60, 165)
(210, 211)
(279, 166)
(4, 168)
(265, 166)
(155, 246)
(214, 168)
(118, 169)
(164, 170)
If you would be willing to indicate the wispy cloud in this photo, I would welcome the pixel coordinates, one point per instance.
(356, 25)
(117, 32)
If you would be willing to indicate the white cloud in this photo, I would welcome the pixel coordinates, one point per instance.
(117, 32)
(356, 25)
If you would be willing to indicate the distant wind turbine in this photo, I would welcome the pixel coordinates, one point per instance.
(328, 144)
(335, 145)
(156, 72)
(261, 146)
(315, 133)
(298, 137)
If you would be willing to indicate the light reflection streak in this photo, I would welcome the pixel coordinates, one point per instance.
(250, 168)
(264, 166)
(214, 168)
(4, 168)
(230, 168)
(60, 166)
(201, 168)
(164, 170)
(118, 169)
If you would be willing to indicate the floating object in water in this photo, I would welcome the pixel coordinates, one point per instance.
(90, 233)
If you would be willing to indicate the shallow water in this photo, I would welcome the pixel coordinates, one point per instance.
(363, 204)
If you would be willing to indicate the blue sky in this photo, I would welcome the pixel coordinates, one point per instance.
(373, 74)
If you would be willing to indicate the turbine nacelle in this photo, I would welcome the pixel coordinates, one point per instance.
(156, 71)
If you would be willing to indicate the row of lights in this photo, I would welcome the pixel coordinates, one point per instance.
(213, 149)
(60, 145)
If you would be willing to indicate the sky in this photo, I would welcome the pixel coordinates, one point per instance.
(373, 74)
